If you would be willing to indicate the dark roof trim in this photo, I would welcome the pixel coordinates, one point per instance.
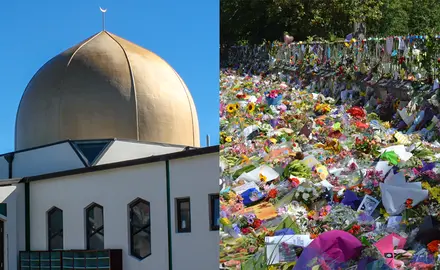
(10, 182)
(91, 140)
(55, 143)
(176, 155)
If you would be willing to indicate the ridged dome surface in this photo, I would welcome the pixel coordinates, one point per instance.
(106, 87)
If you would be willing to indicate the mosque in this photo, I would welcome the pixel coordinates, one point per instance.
(108, 172)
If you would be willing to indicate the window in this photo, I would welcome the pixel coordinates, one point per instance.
(95, 227)
(55, 228)
(214, 212)
(140, 229)
(183, 207)
(91, 150)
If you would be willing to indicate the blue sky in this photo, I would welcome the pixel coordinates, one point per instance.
(183, 32)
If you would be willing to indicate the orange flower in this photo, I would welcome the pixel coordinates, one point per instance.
(272, 193)
(313, 235)
(367, 191)
(433, 246)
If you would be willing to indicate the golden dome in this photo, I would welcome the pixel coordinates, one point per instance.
(106, 87)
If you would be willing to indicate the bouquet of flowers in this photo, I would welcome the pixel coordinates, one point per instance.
(307, 193)
(298, 169)
(322, 108)
(366, 145)
(273, 97)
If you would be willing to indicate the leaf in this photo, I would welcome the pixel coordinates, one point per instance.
(288, 223)
(289, 266)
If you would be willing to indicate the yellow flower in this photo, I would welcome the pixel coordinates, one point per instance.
(251, 107)
(386, 125)
(230, 108)
(225, 221)
(228, 139)
(384, 213)
(245, 160)
(263, 178)
(232, 195)
(426, 185)
(237, 106)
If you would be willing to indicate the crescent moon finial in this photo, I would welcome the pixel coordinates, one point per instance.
(103, 11)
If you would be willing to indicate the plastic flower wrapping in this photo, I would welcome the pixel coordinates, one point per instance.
(320, 174)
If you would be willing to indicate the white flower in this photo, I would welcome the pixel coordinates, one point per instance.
(300, 188)
(305, 196)
(416, 52)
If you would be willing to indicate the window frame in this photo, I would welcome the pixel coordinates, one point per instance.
(90, 232)
(212, 223)
(145, 228)
(50, 235)
(179, 228)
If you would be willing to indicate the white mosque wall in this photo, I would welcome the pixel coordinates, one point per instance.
(4, 168)
(124, 150)
(8, 195)
(114, 190)
(21, 218)
(54, 158)
(197, 178)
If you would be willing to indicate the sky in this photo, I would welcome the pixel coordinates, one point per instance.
(184, 33)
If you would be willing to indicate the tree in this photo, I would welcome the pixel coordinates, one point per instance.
(253, 21)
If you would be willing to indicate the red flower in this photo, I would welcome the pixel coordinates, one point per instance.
(295, 181)
(256, 224)
(335, 134)
(409, 203)
(356, 112)
(433, 246)
(245, 231)
(319, 122)
(272, 193)
(361, 125)
(401, 60)
(367, 191)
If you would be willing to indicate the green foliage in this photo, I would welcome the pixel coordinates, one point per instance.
(257, 21)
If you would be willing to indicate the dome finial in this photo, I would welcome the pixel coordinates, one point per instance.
(103, 11)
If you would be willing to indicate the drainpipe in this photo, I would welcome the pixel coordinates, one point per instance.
(9, 158)
(170, 241)
(27, 207)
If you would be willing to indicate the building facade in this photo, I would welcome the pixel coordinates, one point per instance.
(161, 210)
(71, 199)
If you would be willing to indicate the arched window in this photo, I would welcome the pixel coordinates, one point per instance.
(55, 228)
(140, 229)
(95, 227)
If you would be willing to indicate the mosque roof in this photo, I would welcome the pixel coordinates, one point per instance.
(106, 87)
